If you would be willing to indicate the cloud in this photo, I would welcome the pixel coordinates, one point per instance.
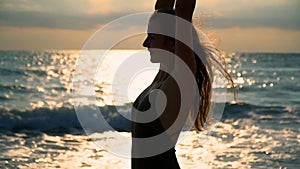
(50, 20)
(66, 14)
(87, 14)
(281, 22)
(77, 7)
(115, 6)
(282, 14)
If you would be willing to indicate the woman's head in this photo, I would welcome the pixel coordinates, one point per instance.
(162, 37)
(157, 41)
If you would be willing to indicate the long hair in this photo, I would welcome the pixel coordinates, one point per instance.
(204, 74)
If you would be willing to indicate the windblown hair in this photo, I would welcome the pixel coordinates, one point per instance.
(211, 59)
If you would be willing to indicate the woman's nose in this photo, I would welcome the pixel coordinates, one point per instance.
(146, 42)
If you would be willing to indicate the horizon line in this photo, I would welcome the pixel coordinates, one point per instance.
(38, 50)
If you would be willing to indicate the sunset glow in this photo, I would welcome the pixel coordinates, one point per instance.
(267, 26)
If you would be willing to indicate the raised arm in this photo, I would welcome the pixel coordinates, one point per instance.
(185, 10)
(164, 4)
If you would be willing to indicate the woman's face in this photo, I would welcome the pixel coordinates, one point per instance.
(158, 45)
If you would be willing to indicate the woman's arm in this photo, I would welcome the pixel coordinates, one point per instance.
(185, 9)
(164, 4)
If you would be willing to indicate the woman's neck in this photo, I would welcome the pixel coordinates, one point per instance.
(164, 72)
(161, 76)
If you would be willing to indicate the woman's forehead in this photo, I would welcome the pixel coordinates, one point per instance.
(161, 26)
(154, 27)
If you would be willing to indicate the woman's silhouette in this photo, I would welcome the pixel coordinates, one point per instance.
(159, 46)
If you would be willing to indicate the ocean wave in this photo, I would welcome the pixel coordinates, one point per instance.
(65, 119)
(60, 119)
(11, 72)
(255, 112)
(41, 73)
(3, 98)
(14, 87)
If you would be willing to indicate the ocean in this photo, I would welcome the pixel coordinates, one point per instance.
(39, 127)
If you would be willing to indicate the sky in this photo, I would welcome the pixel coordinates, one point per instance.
(235, 25)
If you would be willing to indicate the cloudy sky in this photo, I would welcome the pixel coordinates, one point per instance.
(237, 25)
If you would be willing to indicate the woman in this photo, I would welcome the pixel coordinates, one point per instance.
(159, 46)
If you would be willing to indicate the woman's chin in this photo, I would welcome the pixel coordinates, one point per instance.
(153, 60)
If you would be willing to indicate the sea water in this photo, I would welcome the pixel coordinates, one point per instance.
(39, 126)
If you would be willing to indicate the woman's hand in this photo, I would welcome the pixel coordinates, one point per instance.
(164, 4)
(185, 9)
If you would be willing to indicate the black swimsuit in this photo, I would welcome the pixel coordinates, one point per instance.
(165, 160)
